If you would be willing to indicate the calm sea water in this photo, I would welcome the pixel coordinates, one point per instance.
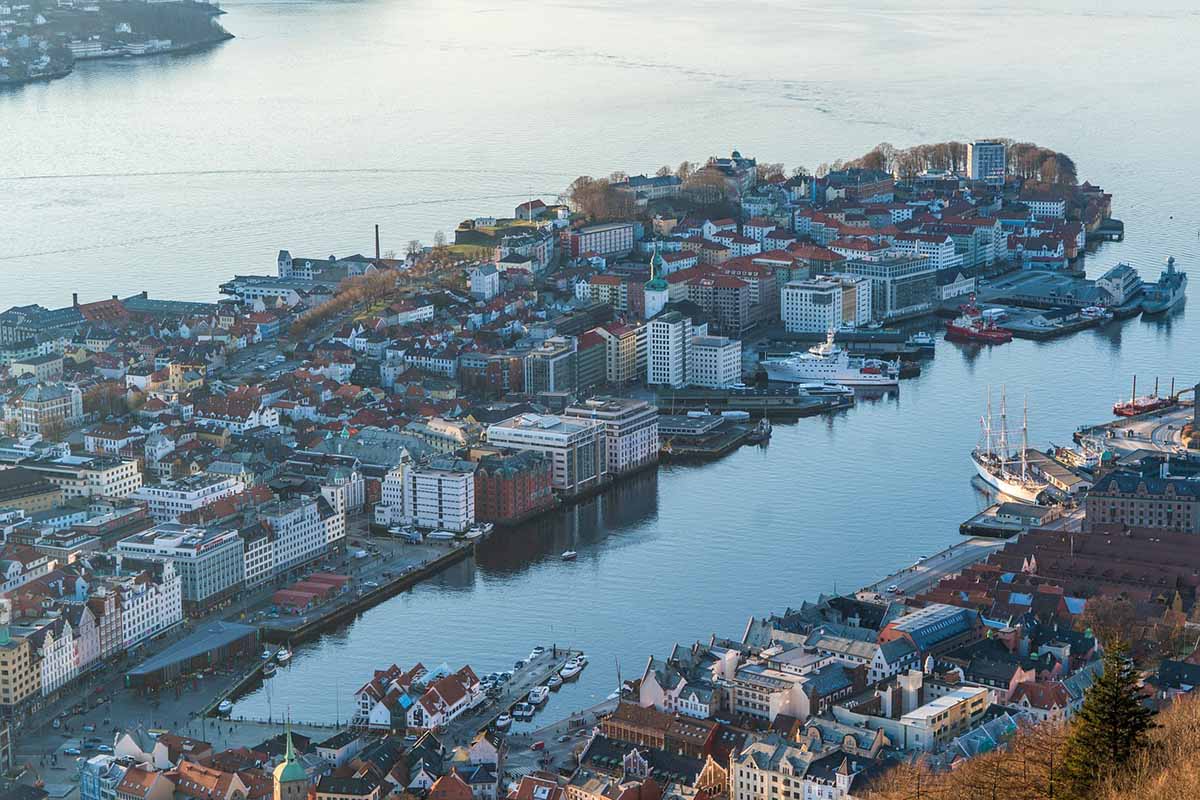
(324, 118)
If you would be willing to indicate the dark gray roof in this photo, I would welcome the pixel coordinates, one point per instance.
(1124, 482)
(207, 638)
(1178, 675)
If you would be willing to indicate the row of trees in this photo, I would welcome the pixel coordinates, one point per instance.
(350, 293)
(597, 199)
(1104, 751)
(1025, 160)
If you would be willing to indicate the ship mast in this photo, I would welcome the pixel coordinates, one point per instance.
(1024, 440)
(987, 425)
(1004, 454)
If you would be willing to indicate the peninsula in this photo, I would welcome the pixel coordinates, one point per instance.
(42, 41)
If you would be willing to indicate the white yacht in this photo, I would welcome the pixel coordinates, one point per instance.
(570, 670)
(539, 695)
(827, 362)
(826, 389)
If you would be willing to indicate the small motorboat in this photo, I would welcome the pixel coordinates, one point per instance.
(225, 707)
(554, 683)
(473, 534)
(267, 653)
(570, 670)
(539, 695)
(522, 711)
(504, 722)
(268, 669)
(570, 555)
(536, 653)
(922, 340)
(283, 656)
(441, 536)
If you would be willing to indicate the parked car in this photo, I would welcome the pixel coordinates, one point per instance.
(538, 746)
(72, 751)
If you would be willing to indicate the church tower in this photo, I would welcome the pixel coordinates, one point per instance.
(291, 781)
(657, 292)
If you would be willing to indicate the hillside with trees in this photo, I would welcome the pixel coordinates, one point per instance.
(1025, 160)
(1114, 749)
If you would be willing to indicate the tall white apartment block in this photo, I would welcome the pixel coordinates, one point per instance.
(667, 353)
(986, 161)
(441, 495)
(714, 362)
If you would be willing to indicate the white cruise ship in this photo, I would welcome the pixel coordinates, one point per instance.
(828, 362)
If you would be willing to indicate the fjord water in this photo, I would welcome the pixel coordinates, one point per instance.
(322, 118)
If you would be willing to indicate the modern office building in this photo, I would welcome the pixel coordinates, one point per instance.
(209, 561)
(441, 494)
(630, 430)
(574, 445)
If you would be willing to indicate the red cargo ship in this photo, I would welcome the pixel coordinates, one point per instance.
(969, 328)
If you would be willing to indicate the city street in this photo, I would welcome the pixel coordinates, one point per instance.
(929, 570)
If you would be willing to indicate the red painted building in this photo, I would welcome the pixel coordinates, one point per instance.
(509, 486)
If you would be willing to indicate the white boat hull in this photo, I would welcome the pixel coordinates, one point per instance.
(784, 373)
(1015, 489)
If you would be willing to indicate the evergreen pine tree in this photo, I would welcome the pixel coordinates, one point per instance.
(1111, 727)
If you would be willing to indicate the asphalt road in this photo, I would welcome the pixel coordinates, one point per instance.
(929, 570)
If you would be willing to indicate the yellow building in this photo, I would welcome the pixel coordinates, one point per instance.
(27, 491)
(20, 675)
(185, 377)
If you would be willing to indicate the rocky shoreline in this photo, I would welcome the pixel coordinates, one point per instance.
(190, 47)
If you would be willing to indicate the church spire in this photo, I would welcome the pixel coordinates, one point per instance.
(289, 754)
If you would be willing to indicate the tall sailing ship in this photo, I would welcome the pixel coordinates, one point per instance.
(1003, 470)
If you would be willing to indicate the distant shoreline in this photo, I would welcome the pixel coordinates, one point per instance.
(190, 47)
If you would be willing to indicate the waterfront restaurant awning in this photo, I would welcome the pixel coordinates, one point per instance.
(211, 644)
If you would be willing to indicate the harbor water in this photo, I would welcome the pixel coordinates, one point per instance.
(323, 118)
